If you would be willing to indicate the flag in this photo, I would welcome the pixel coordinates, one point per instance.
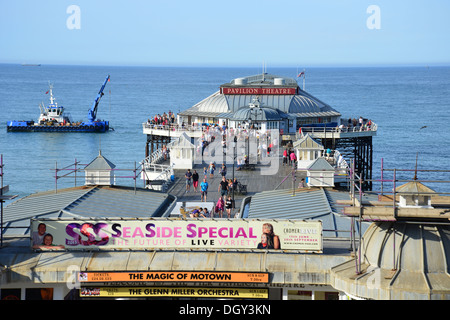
(301, 74)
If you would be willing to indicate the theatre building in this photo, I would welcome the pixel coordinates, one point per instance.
(263, 102)
(146, 254)
(103, 241)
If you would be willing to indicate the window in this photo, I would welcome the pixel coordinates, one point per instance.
(331, 295)
(299, 295)
(272, 125)
(10, 294)
(39, 294)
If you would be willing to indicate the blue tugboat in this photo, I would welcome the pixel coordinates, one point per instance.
(53, 119)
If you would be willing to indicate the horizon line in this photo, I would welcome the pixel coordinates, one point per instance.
(278, 66)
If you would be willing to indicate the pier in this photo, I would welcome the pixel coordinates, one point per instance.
(353, 143)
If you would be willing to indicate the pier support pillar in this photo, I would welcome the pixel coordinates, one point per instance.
(360, 150)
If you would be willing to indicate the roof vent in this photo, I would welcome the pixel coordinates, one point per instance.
(240, 81)
(279, 81)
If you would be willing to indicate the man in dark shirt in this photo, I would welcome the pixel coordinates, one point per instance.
(195, 180)
(188, 177)
(223, 187)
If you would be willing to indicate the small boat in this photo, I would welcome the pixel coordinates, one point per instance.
(53, 118)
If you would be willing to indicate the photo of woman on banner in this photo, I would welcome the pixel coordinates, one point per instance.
(273, 238)
(266, 242)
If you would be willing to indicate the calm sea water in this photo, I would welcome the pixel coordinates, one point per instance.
(410, 105)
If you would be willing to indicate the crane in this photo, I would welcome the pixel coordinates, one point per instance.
(92, 113)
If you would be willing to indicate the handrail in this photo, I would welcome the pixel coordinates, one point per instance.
(363, 128)
(172, 127)
(198, 128)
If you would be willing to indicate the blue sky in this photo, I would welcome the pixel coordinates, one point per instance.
(227, 33)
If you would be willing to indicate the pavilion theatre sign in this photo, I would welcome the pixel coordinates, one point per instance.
(258, 91)
(179, 234)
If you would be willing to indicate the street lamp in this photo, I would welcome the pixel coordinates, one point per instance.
(255, 110)
(234, 144)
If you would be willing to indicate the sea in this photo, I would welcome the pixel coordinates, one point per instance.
(410, 105)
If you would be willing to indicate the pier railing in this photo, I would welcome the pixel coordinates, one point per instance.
(372, 127)
(341, 131)
(198, 130)
(172, 127)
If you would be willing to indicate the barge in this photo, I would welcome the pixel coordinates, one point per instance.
(53, 119)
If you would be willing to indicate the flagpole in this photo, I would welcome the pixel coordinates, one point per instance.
(304, 77)
(302, 74)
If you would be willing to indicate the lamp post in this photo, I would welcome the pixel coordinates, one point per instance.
(255, 109)
(234, 144)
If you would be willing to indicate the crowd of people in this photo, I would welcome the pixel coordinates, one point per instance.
(246, 139)
(360, 124)
(164, 119)
(289, 157)
(225, 189)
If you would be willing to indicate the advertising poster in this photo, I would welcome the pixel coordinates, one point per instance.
(179, 234)
(189, 292)
(173, 276)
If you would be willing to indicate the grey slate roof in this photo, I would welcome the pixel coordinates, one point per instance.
(86, 202)
(307, 143)
(313, 203)
(320, 164)
(100, 163)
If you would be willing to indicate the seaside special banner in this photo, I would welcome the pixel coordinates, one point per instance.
(173, 233)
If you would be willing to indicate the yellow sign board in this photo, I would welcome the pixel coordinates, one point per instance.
(189, 292)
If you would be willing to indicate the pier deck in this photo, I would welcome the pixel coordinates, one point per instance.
(253, 179)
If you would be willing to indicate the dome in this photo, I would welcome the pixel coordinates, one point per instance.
(300, 104)
(263, 114)
(214, 103)
(306, 104)
(399, 261)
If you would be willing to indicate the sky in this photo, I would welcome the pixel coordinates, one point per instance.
(226, 33)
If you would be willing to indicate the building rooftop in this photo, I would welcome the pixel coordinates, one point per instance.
(297, 102)
(85, 202)
(100, 163)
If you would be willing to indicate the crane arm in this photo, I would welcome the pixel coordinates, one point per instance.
(92, 114)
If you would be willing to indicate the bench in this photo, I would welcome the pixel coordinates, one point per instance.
(241, 188)
(247, 166)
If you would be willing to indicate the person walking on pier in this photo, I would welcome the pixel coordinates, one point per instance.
(188, 177)
(223, 170)
(229, 206)
(285, 157)
(195, 180)
(204, 189)
(212, 167)
(223, 187)
(220, 206)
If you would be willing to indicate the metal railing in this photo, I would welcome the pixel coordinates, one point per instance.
(364, 128)
(173, 127)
